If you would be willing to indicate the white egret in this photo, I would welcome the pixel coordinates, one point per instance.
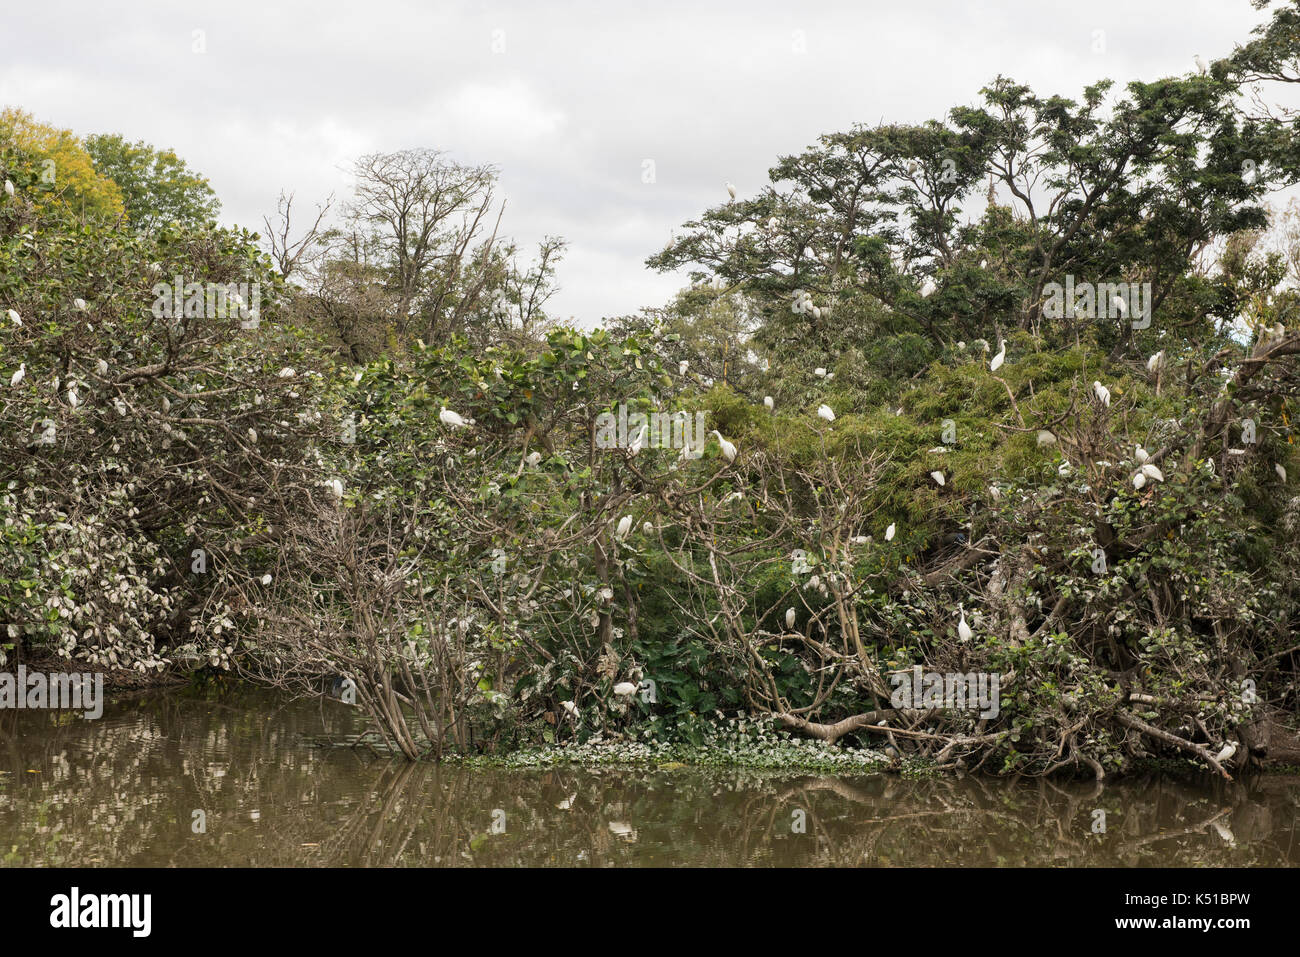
(648, 528)
(1152, 472)
(48, 433)
(452, 419)
(1156, 361)
(824, 412)
(336, 488)
(1281, 472)
(252, 436)
(638, 443)
(73, 400)
(994, 492)
(820, 372)
(1141, 455)
(1226, 752)
(101, 367)
(889, 532)
(731, 190)
(928, 287)
(287, 372)
(18, 376)
(570, 707)
(1202, 67)
(9, 188)
(1119, 305)
(534, 459)
(789, 619)
(16, 319)
(1139, 480)
(683, 366)
(728, 450)
(768, 403)
(624, 689)
(80, 304)
(624, 525)
(938, 477)
(266, 579)
(1101, 392)
(963, 629)
(1000, 358)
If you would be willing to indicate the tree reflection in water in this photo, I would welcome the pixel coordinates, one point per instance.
(122, 791)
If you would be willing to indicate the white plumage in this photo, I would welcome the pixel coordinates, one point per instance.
(789, 619)
(728, 449)
(18, 376)
(1102, 393)
(1156, 361)
(624, 526)
(928, 287)
(16, 319)
(768, 403)
(938, 477)
(825, 412)
(1000, 358)
(1202, 67)
(452, 419)
(963, 629)
(731, 190)
(1152, 472)
(683, 366)
(1281, 472)
(534, 459)
(889, 532)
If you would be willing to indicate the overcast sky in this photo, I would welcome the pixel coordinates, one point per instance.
(568, 99)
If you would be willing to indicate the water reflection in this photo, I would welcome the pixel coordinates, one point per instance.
(123, 791)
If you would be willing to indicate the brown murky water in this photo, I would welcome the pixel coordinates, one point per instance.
(123, 790)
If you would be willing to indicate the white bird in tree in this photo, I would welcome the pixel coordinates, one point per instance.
(624, 689)
(1141, 455)
(336, 488)
(820, 372)
(1153, 472)
(825, 412)
(252, 436)
(1226, 752)
(16, 319)
(79, 304)
(48, 433)
(638, 443)
(1202, 67)
(1281, 472)
(534, 459)
(18, 376)
(1139, 479)
(996, 363)
(1156, 361)
(938, 477)
(1101, 392)
(731, 190)
(789, 619)
(101, 368)
(570, 707)
(266, 579)
(452, 419)
(728, 450)
(928, 287)
(624, 526)
(683, 366)
(768, 403)
(648, 528)
(963, 629)
(889, 532)
(994, 492)
(9, 188)
(73, 400)
(287, 372)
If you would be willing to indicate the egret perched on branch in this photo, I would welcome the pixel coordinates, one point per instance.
(1227, 752)
(9, 188)
(1156, 361)
(889, 532)
(820, 372)
(789, 619)
(824, 412)
(450, 418)
(1202, 67)
(683, 366)
(728, 450)
(266, 579)
(994, 492)
(287, 372)
(101, 368)
(1101, 392)
(73, 400)
(1141, 455)
(570, 707)
(18, 376)
(1281, 472)
(1139, 480)
(1152, 472)
(768, 403)
(731, 189)
(534, 459)
(624, 689)
(336, 488)
(928, 287)
(996, 363)
(638, 443)
(624, 526)
(648, 528)
(252, 436)
(79, 304)
(16, 319)
(938, 477)
(963, 629)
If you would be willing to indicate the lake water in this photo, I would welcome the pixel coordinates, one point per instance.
(123, 791)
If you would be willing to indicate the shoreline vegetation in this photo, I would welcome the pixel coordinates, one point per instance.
(970, 445)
